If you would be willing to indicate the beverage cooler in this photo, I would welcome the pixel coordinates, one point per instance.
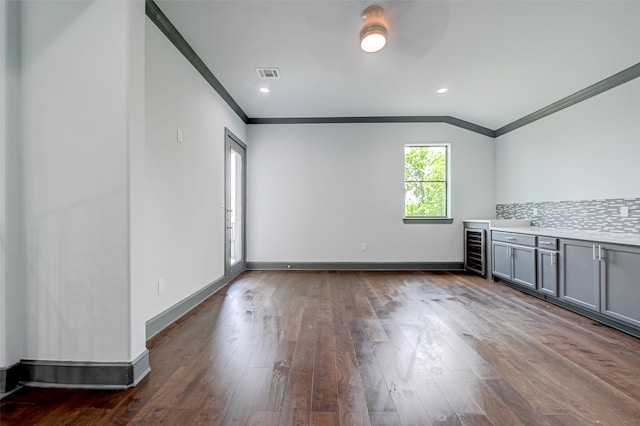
(475, 251)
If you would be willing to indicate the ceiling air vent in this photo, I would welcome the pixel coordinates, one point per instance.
(268, 72)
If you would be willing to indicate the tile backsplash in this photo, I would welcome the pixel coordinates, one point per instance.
(587, 215)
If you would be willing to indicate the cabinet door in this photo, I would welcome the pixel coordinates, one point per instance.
(579, 279)
(524, 265)
(620, 281)
(548, 272)
(501, 260)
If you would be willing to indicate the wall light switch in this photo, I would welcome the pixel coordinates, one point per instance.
(624, 211)
(161, 285)
(535, 211)
(363, 246)
(179, 136)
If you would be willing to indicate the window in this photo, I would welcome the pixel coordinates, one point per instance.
(426, 183)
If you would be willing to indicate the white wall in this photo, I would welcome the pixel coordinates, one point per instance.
(136, 114)
(80, 114)
(3, 139)
(12, 216)
(317, 191)
(184, 217)
(587, 151)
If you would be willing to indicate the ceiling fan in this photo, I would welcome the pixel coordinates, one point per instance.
(412, 29)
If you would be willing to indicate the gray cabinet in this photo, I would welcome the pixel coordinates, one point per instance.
(501, 255)
(602, 277)
(620, 282)
(548, 265)
(514, 258)
(548, 272)
(524, 265)
(580, 274)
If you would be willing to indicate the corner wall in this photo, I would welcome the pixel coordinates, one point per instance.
(588, 151)
(12, 220)
(81, 105)
(317, 191)
(184, 184)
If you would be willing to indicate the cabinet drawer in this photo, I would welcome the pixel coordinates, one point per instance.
(508, 237)
(548, 243)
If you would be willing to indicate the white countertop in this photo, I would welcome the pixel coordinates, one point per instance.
(596, 236)
(501, 222)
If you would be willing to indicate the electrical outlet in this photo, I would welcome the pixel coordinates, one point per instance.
(363, 247)
(624, 211)
(161, 285)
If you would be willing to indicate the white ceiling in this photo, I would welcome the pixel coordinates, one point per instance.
(500, 60)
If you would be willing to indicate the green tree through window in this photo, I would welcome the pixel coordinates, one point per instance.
(425, 181)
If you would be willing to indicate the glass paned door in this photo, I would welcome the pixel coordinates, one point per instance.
(235, 182)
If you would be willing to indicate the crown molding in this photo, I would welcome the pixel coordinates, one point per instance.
(378, 119)
(169, 30)
(595, 89)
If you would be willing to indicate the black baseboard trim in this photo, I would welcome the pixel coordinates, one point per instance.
(161, 321)
(356, 266)
(89, 375)
(141, 367)
(10, 378)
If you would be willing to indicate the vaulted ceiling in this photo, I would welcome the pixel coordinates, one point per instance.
(499, 60)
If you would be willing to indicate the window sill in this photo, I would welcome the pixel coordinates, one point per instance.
(432, 220)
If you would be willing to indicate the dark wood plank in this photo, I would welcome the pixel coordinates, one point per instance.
(365, 348)
(262, 418)
(352, 406)
(385, 418)
(296, 407)
(376, 389)
(433, 401)
(324, 419)
(251, 396)
(325, 381)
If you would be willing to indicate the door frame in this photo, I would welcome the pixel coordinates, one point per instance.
(230, 271)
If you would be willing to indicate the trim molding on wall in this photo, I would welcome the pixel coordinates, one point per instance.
(171, 32)
(92, 375)
(162, 22)
(10, 377)
(386, 119)
(584, 94)
(167, 317)
(101, 375)
(356, 266)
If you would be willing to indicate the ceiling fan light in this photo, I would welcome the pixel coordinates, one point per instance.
(373, 38)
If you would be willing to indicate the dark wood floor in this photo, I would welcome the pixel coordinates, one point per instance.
(380, 348)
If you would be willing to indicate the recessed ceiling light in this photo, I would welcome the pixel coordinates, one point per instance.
(264, 90)
(442, 90)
